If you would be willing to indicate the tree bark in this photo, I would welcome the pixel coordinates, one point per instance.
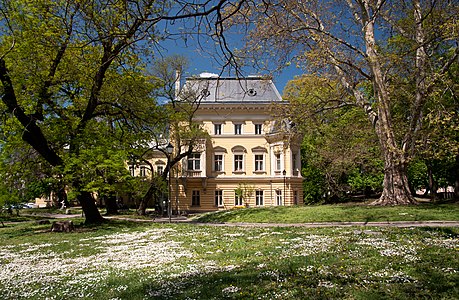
(111, 205)
(141, 210)
(396, 190)
(433, 186)
(88, 204)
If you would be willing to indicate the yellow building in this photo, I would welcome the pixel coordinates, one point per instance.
(251, 159)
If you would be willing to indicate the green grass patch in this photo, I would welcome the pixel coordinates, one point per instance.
(139, 260)
(335, 213)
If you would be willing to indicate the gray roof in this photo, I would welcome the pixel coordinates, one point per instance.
(213, 89)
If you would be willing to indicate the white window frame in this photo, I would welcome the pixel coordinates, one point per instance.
(238, 128)
(222, 164)
(143, 171)
(259, 198)
(160, 169)
(241, 162)
(258, 129)
(194, 159)
(279, 198)
(218, 198)
(278, 162)
(238, 201)
(255, 167)
(218, 129)
(132, 170)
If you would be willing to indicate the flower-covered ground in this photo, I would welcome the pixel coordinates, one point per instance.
(122, 260)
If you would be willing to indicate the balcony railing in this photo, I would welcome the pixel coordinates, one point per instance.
(193, 173)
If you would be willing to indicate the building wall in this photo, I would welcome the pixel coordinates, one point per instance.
(270, 180)
(248, 103)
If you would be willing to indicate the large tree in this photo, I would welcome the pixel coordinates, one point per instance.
(352, 41)
(56, 58)
(181, 131)
(340, 154)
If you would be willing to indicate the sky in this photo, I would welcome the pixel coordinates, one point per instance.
(204, 62)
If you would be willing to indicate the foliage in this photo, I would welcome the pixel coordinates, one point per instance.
(244, 191)
(75, 71)
(391, 59)
(340, 154)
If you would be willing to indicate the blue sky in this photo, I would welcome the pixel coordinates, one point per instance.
(205, 62)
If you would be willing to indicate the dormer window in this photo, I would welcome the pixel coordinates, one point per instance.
(237, 129)
(258, 128)
(217, 129)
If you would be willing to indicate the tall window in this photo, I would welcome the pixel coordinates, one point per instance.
(132, 170)
(237, 200)
(237, 128)
(194, 162)
(294, 161)
(143, 171)
(258, 128)
(196, 198)
(295, 197)
(259, 198)
(279, 197)
(160, 169)
(278, 161)
(218, 198)
(218, 162)
(217, 129)
(259, 162)
(238, 162)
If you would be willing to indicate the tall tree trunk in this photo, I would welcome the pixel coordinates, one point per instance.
(89, 207)
(395, 186)
(433, 186)
(141, 210)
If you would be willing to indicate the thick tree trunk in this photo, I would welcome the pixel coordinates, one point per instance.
(141, 210)
(89, 207)
(111, 205)
(396, 190)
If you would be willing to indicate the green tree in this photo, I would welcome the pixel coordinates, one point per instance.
(340, 152)
(352, 42)
(66, 67)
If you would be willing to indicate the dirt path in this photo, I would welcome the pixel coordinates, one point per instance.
(322, 224)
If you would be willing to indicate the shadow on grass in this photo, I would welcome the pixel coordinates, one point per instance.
(286, 282)
(452, 232)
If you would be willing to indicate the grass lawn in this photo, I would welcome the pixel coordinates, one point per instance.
(336, 213)
(138, 260)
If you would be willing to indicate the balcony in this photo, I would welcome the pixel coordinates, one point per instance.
(193, 173)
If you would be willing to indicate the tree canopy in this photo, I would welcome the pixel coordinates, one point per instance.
(389, 56)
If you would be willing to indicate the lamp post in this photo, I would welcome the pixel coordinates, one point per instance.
(169, 150)
(284, 173)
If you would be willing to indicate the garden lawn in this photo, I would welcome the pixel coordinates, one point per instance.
(127, 260)
(335, 213)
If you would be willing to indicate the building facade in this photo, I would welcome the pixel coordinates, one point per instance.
(249, 160)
